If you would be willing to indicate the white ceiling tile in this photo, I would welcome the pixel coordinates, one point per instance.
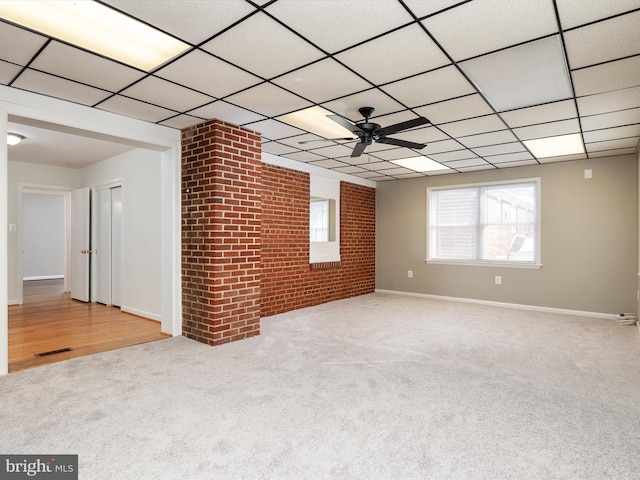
(277, 51)
(443, 146)
(551, 129)
(273, 129)
(306, 137)
(610, 153)
(509, 157)
(207, 74)
(276, 148)
(522, 163)
(603, 41)
(192, 20)
(578, 12)
(18, 45)
(8, 72)
(166, 94)
(480, 27)
(607, 77)
(398, 171)
(182, 121)
(530, 74)
(406, 52)
(563, 158)
(378, 166)
(421, 135)
(348, 106)
(457, 109)
(268, 100)
(397, 153)
(333, 151)
(304, 156)
(420, 8)
(488, 123)
(323, 81)
(621, 143)
(351, 169)
(59, 87)
(75, 64)
(612, 133)
(471, 162)
(540, 114)
(487, 166)
(610, 101)
(135, 109)
(430, 87)
(499, 149)
(225, 111)
(454, 156)
(502, 136)
(335, 24)
(613, 119)
(330, 163)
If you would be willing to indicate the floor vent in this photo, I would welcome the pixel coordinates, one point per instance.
(53, 352)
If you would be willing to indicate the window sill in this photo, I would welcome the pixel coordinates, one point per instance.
(530, 266)
(325, 266)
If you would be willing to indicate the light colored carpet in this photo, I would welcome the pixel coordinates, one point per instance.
(376, 387)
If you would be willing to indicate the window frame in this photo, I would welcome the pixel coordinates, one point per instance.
(534, 264)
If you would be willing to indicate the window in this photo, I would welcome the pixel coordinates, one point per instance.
(324, 220)
(485, 223)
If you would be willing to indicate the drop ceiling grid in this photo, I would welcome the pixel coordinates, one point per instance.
(253, 62)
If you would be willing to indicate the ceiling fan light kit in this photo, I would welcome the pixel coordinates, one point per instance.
(369, 132)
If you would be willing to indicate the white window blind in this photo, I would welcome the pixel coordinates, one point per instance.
(484, 223)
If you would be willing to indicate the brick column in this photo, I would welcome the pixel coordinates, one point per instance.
(221, 237)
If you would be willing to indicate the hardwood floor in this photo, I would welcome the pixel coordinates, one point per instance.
(53, 321)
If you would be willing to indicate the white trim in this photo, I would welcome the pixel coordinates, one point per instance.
(485, 263)
(23, 106)
(516, 306)
(141, 313)
(42, 277)
(322, 172)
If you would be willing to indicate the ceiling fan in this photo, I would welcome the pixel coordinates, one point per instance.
(369, 132)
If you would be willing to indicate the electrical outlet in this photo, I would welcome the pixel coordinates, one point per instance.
(498, 280)
(410, 274)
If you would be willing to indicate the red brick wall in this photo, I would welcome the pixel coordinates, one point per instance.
(221, 216)
(288, 282)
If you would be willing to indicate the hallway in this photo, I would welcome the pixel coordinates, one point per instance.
(50, 327)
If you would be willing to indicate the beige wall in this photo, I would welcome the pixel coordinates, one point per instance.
(589, 239)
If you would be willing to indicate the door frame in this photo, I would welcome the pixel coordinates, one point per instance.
(19, 105)
(34, 189)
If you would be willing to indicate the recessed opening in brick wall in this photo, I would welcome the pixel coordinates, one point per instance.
(325, 266)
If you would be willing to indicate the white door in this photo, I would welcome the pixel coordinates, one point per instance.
(107, 245)
(116, 246)
(80, 243)
(102, 246)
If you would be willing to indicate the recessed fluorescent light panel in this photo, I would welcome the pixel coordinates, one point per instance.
(522, 76)
(97, 28)
(314, 120)
(420, 164)
(555, 146)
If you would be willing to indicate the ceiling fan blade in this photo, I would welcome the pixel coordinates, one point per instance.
(327, 140)
(401, 143)
(358, 149)
(398, 127)
(346, 124)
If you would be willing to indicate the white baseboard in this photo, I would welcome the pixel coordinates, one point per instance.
(43, 277)
(502, 304)
(14, 302)
(141, 313)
